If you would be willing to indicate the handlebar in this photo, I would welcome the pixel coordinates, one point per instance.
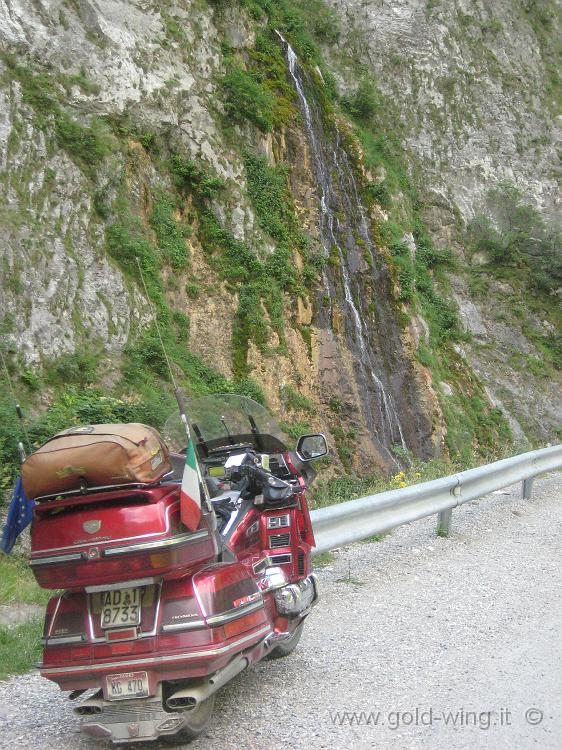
(264, 482)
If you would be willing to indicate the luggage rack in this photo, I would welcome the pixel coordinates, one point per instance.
(84, 489)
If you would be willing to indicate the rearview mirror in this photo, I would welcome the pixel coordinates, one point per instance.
(310, 447)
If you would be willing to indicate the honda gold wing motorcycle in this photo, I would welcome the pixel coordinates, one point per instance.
(154, 618)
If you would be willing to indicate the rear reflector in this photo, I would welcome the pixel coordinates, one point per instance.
(123, 634)
(117, 649)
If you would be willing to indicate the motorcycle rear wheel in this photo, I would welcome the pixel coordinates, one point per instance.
(287, 647)
(196, 721)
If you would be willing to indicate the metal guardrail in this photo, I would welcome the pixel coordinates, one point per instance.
(359, 519)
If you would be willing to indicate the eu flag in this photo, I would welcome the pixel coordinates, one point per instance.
(20, 514)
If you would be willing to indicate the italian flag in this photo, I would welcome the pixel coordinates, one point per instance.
(190, 497)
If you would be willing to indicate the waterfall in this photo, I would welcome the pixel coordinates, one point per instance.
(337, 185)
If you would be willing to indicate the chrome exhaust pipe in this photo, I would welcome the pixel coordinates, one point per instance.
(89, 707)
(200, 690)
(180, 701)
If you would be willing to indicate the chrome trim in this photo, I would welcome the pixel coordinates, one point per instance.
(80, 493)
(62, 640)
(149, 633)
(54, 615)
(162, 544)
(275, 638)
(233, 614)
(122, 585)
(276, 561)
(262, 564)
(49, 559)
(176, 626)
(156, 611)
(274, 541)
(301, 596)
(91, 619)
(314, 578)
(158, 659)
(122, 539)
(284, 522)
(274, 578)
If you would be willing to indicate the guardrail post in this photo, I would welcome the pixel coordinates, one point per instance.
(444, 522)
(528, 488)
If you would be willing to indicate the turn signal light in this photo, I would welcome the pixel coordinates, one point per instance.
(244, 623)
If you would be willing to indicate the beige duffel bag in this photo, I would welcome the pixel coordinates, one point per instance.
(98, 455)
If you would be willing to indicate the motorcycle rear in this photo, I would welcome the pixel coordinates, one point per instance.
(155, 618)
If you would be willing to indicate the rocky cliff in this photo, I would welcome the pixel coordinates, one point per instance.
(474, 88)
(212, 164)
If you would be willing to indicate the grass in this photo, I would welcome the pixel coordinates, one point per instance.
(20, 647)
(18, 584)
(323, 559)
(374, 538)
(351, 580)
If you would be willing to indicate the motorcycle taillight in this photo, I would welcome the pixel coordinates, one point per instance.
(65, 620)
(224, 590)
(119, 563)
(180, 610)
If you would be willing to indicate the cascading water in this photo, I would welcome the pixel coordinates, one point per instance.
(343, 216)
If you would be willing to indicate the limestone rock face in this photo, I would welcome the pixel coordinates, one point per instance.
(59, 287)
(473, 91)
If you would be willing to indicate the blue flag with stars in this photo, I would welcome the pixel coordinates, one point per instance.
(20, 514)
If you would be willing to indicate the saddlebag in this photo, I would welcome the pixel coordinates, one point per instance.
(100, 455)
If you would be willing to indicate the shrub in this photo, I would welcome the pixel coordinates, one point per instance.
(324, 23)
(271, 199)
(249, 325)
(513, 232)
(294, 400)
(246, 98)
(84, 143)
(170, 237)
(78, 368)
(192, 289)
(125, 243)
(188, 177)
(379, 192)
(364, 102)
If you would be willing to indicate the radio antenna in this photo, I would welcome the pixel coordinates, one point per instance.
(157, 327)
(19, 411)
(178, 393)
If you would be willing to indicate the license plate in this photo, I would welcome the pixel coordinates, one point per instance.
(127, 685)
(120, 608)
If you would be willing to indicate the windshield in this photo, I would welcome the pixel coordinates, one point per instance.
(224, 420)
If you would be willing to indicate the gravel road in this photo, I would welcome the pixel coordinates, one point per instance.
(441, 643)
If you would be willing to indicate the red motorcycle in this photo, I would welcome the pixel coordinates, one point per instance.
(154, 618)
